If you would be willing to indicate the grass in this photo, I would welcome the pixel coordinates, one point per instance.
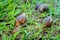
(10, 9)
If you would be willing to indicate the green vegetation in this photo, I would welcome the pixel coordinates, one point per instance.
(10, 9)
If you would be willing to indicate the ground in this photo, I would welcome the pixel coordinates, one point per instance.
(33, 28)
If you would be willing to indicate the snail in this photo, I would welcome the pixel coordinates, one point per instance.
(48, 21)
(21, 19)
(42, 7)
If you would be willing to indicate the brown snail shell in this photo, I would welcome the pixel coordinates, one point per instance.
(48, 21)
(21, 19)
(42, 7)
